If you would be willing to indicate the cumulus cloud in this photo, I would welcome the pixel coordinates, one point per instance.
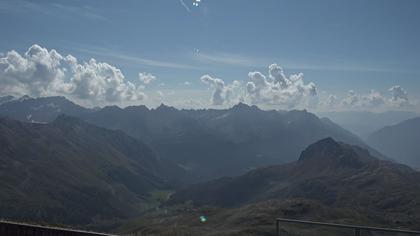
(399, 97)
(146, 78)
(98, 81)
(371, 100)
(374, 100)
(43, 72)
(222, 93)
(33, 73)
(278, 89)
(331, 101)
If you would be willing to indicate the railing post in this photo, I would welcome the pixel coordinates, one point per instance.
(277, 228)
(356, 232)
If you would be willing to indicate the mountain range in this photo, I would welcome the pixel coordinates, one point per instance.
(39, 110)
(331, 181)
(135, 168)
(207, 143)
(400, 141)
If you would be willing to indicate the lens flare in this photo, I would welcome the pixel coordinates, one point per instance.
(196, 2)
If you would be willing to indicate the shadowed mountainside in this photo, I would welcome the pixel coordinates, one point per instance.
(74, 173)
(401, 141)
(328, 172)
(206, 143)
(214, 143)
(331, 181)
(364, 123)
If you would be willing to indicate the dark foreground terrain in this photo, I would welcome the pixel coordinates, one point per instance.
(331, 181)
(165, 171)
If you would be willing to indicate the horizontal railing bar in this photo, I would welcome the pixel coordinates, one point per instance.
(348, 226)
(53, 228)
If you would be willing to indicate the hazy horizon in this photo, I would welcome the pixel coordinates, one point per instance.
(209, 117)
(349, 56)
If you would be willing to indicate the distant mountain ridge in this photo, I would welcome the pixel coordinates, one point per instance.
(43, 109)
(364, 123)
(213, 143)
(208, 143)
(401, 141)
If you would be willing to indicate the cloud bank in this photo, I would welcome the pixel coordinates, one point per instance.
(222, 93)
(43, 72)
(146, 78)
(276, 89)
(279, 91)
(374, 100)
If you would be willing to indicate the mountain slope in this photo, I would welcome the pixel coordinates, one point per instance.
(71, 172)
(331, 182)
(363, 123)
(42, 110)
(256, 219)
(6, 99)
(214, 143)
(206, 143)
(400, 141)
(331, 173)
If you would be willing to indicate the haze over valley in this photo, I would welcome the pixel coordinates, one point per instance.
(209, 117)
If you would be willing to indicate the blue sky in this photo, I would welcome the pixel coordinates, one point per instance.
(338, 45)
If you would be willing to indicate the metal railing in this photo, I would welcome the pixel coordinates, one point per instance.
(23, 229)
(356, 228)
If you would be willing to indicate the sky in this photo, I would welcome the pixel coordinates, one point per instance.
(324, 55)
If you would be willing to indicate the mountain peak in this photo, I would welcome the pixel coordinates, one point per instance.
(321, 148)
(24, 97)
(5, 99)
(328, 153)
(244, 106)
(163, 107)
(141, 108)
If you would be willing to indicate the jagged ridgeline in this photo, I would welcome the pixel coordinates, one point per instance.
(99, 168)
(206, 143)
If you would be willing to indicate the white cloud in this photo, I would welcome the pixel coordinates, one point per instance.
(399, 97)
(373, 100)
(222, 93)
(32, 73)
(277, 89)
(40, 72)
(146, 78)
(187, 83)
(331, 101)
(101, 82)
